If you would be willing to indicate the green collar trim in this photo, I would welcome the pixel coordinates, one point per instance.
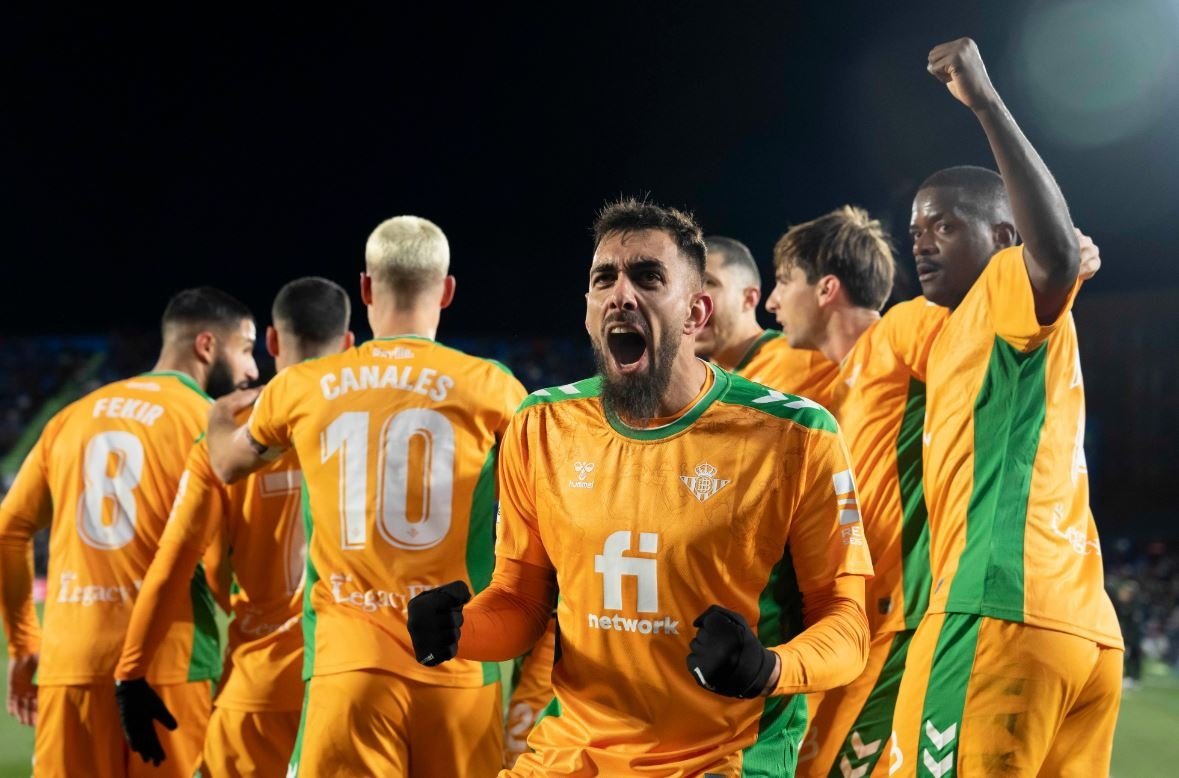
(399, 337)
(720, 384)
(183, 378)
(762, 339)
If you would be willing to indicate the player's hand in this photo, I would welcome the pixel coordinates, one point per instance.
(959, 66)
(435, 619)
(22, 694)
(139, 708)
(227, 407)
(727, 657)
(1090, 255)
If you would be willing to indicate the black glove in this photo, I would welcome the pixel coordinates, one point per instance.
(434, 620)
(139, 708)
(727, 657)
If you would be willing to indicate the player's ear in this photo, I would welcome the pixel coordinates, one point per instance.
(366, 288)
(1004, 235)
(750, 297)
(204, 345)
(271, 340)
(448, 285)
(699, 312)
(828, 288)
(348, 341)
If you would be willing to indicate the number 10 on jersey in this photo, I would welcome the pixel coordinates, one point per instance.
(415, 467)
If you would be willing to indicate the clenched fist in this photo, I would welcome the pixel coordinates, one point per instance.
(959, 66)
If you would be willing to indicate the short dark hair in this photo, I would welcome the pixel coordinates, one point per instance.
(630, 214)
(735, 253)
(984, 194)
(203, 307)
(313, 309)
(848, 244)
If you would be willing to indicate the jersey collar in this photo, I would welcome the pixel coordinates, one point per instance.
(762, 339)
(183, 378)
(720, 383)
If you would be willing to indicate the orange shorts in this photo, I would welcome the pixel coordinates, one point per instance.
(848, 728)
(983, 696)
(78, 732)
(369, 722)
(244, 743)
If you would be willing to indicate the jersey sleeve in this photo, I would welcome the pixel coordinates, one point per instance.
(270, 421)
(910, 329)
(517, 533)
(200, 507)
(826, 532)
(27, 508)
(1011, 301)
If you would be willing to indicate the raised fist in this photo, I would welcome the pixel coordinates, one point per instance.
(959, 66)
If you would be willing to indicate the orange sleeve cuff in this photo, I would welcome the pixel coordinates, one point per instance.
(506, 619)
(164, 591)
(833, 649)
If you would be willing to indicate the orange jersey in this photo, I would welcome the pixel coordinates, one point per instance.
(745, 500)
(257, 524)
(772, 361)
(397, 440)
(880, 404)
(1011, 533)
(109, 464)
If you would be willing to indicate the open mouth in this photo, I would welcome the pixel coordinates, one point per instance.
(627, 346)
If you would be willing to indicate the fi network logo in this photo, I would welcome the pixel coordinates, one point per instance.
(613, 564)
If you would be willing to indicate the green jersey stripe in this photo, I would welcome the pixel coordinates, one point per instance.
(779, 734)
(297, 751)
(1008, 418)
(205, 662)
(915, 571)
(480, 553)
(309, 582)
(945, 697)
(870, 733)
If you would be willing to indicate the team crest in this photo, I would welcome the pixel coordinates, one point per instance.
(705, 483)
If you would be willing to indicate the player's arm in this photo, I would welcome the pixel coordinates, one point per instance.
(234, 452)
(199, 507)
(1040, 211)
(507, 617)
(831, 561)
(27, 508)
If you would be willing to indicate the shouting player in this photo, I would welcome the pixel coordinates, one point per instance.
(103, 475)
(397, 440)
(1016, 667)
(256, 528)
(686, 515)
(733, 339)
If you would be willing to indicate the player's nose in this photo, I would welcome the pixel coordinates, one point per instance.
(622, 295)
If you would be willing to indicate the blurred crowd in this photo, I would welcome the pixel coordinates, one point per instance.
(1143, 581)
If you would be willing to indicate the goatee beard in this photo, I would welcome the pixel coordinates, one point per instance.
(636, 397)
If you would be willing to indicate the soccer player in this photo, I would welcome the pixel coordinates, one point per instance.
(833, 275)
(713, 511)
(1016, 667)
(733, 339)
(397, 440)
(103, 475)
(255, 526)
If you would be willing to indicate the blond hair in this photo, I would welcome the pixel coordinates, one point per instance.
(407, 254)
(846, 243)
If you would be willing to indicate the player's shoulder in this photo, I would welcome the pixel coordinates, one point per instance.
(563, 396)
(493, 369)
(916, 309)
(756, 399)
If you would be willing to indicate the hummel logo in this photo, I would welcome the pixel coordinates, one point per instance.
(849, 771)
(705, 483)
(583, 470)
(862, 750)
(397, 352)
(936, 768)
(940, 739)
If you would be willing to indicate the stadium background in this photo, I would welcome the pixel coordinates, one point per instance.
(145, 153)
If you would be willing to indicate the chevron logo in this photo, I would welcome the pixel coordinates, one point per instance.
(940, 739)
(850, 772)
(935, 768)
(857, 744)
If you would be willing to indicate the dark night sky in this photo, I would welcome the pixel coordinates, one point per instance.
(145, 153)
